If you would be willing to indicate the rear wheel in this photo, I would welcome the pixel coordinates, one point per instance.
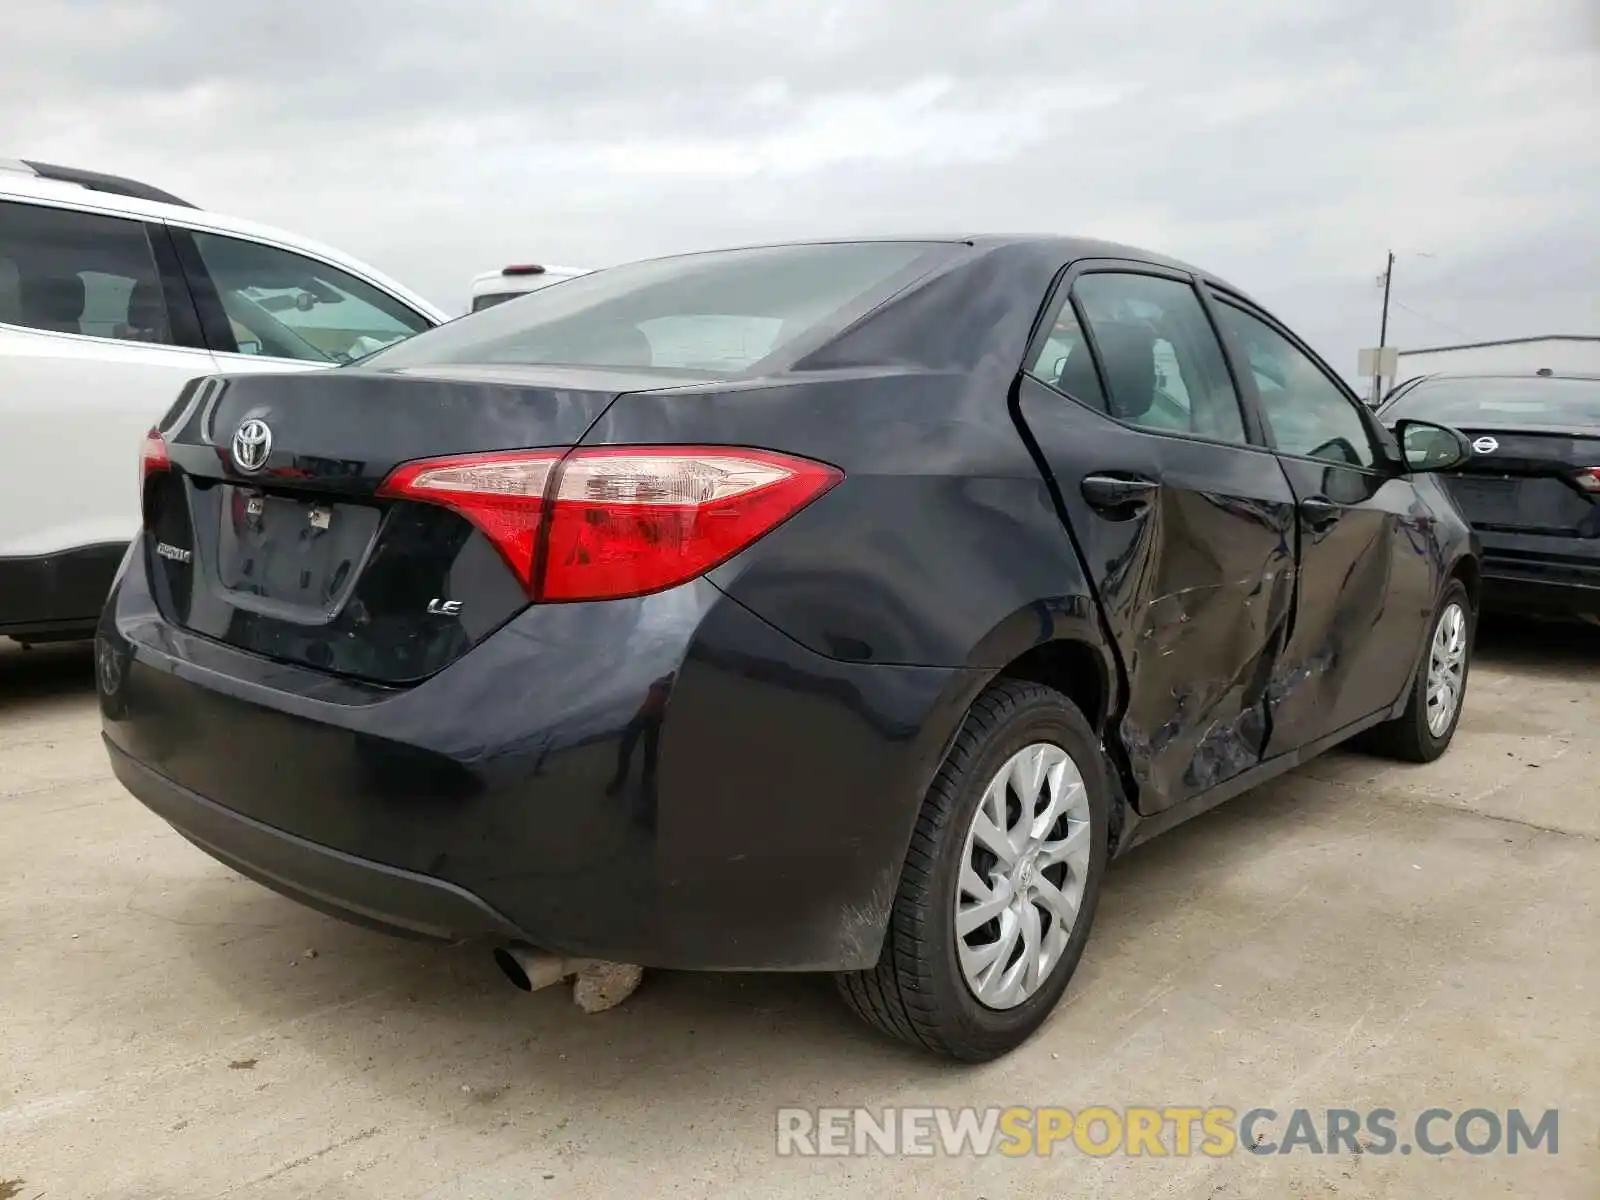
(1423, 732)
(1000, 884)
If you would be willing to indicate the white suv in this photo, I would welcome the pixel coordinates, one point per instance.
(496, 287)
(113, 295)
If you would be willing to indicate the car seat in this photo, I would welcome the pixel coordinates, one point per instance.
(53, 302)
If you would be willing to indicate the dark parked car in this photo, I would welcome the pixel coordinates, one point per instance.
(1532, 486)
(829, 607)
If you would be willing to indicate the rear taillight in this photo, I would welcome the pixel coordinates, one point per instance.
(625, 522)
(502, 494)
(153, 456)
(603, 524)
(1588, 479)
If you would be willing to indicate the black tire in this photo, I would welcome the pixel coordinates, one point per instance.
(1407, 737)
(917, 992)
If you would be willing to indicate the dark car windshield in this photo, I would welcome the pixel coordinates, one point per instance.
(715, 313)
(1525, 401)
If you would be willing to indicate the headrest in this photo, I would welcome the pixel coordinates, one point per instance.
(1128, 353)
(147, 312)
(52, 302)
(1078, 378)
(629, 344)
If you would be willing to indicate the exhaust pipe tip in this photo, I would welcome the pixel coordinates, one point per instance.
(506, 960)
(600, 985)
(529, 969)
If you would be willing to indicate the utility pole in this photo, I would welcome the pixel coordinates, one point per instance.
(1383, 326)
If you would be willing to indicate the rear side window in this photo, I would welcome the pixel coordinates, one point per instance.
(1512, 401)
(285, 305)
(1066, 363)
(1163, 366)
(717, 313)
(75, 272)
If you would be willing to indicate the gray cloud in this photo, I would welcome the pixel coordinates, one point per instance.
(1287, 146)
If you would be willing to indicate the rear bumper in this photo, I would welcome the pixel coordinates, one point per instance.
(57, 595)
(342, 885)
(1541, 575)
(527, 792)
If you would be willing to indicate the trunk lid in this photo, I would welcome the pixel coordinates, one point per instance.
(1524, 480)
(269, 532)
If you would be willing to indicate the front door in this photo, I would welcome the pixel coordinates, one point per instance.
(1365, 588)
(265, 308)
(1186, 526)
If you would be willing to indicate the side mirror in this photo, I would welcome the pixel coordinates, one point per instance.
(1426, 446)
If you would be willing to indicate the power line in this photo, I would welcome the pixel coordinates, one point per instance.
(1431, 320)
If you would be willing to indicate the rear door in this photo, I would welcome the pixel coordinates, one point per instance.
(1186, 523)
(97, 336)
(1365, 589)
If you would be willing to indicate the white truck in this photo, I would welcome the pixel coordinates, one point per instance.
(496, 287)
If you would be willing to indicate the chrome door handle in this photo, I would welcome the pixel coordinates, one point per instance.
(1318, 512)
(1117, 492)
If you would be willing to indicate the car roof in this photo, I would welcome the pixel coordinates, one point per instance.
(1058, 247)
(99, 181)
(24, 185)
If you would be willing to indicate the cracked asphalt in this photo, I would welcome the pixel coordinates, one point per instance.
(1358, 934)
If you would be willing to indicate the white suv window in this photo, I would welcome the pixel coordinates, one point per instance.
(76, 272)
(285, 305)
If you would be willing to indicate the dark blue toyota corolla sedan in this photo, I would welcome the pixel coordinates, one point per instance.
(837, 607)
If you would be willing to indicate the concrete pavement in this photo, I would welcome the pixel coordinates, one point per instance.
(1356, 935)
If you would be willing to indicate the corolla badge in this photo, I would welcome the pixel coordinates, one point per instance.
(252, 444)
(1486, 445)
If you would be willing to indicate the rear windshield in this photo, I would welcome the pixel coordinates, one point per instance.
(1506, 401)
(490, 299)
(716, 313)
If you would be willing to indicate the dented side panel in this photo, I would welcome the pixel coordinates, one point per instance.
(1369, 577)
(1196, 587)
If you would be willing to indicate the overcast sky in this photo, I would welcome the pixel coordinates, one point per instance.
(1285, 144)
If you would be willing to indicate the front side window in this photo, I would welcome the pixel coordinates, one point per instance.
(1163, 366)
(76, 272)
(285, 305)
(717, 313)
(1308, 414)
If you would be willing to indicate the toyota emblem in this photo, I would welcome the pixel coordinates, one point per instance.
(252, 444)
(1486, 445)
